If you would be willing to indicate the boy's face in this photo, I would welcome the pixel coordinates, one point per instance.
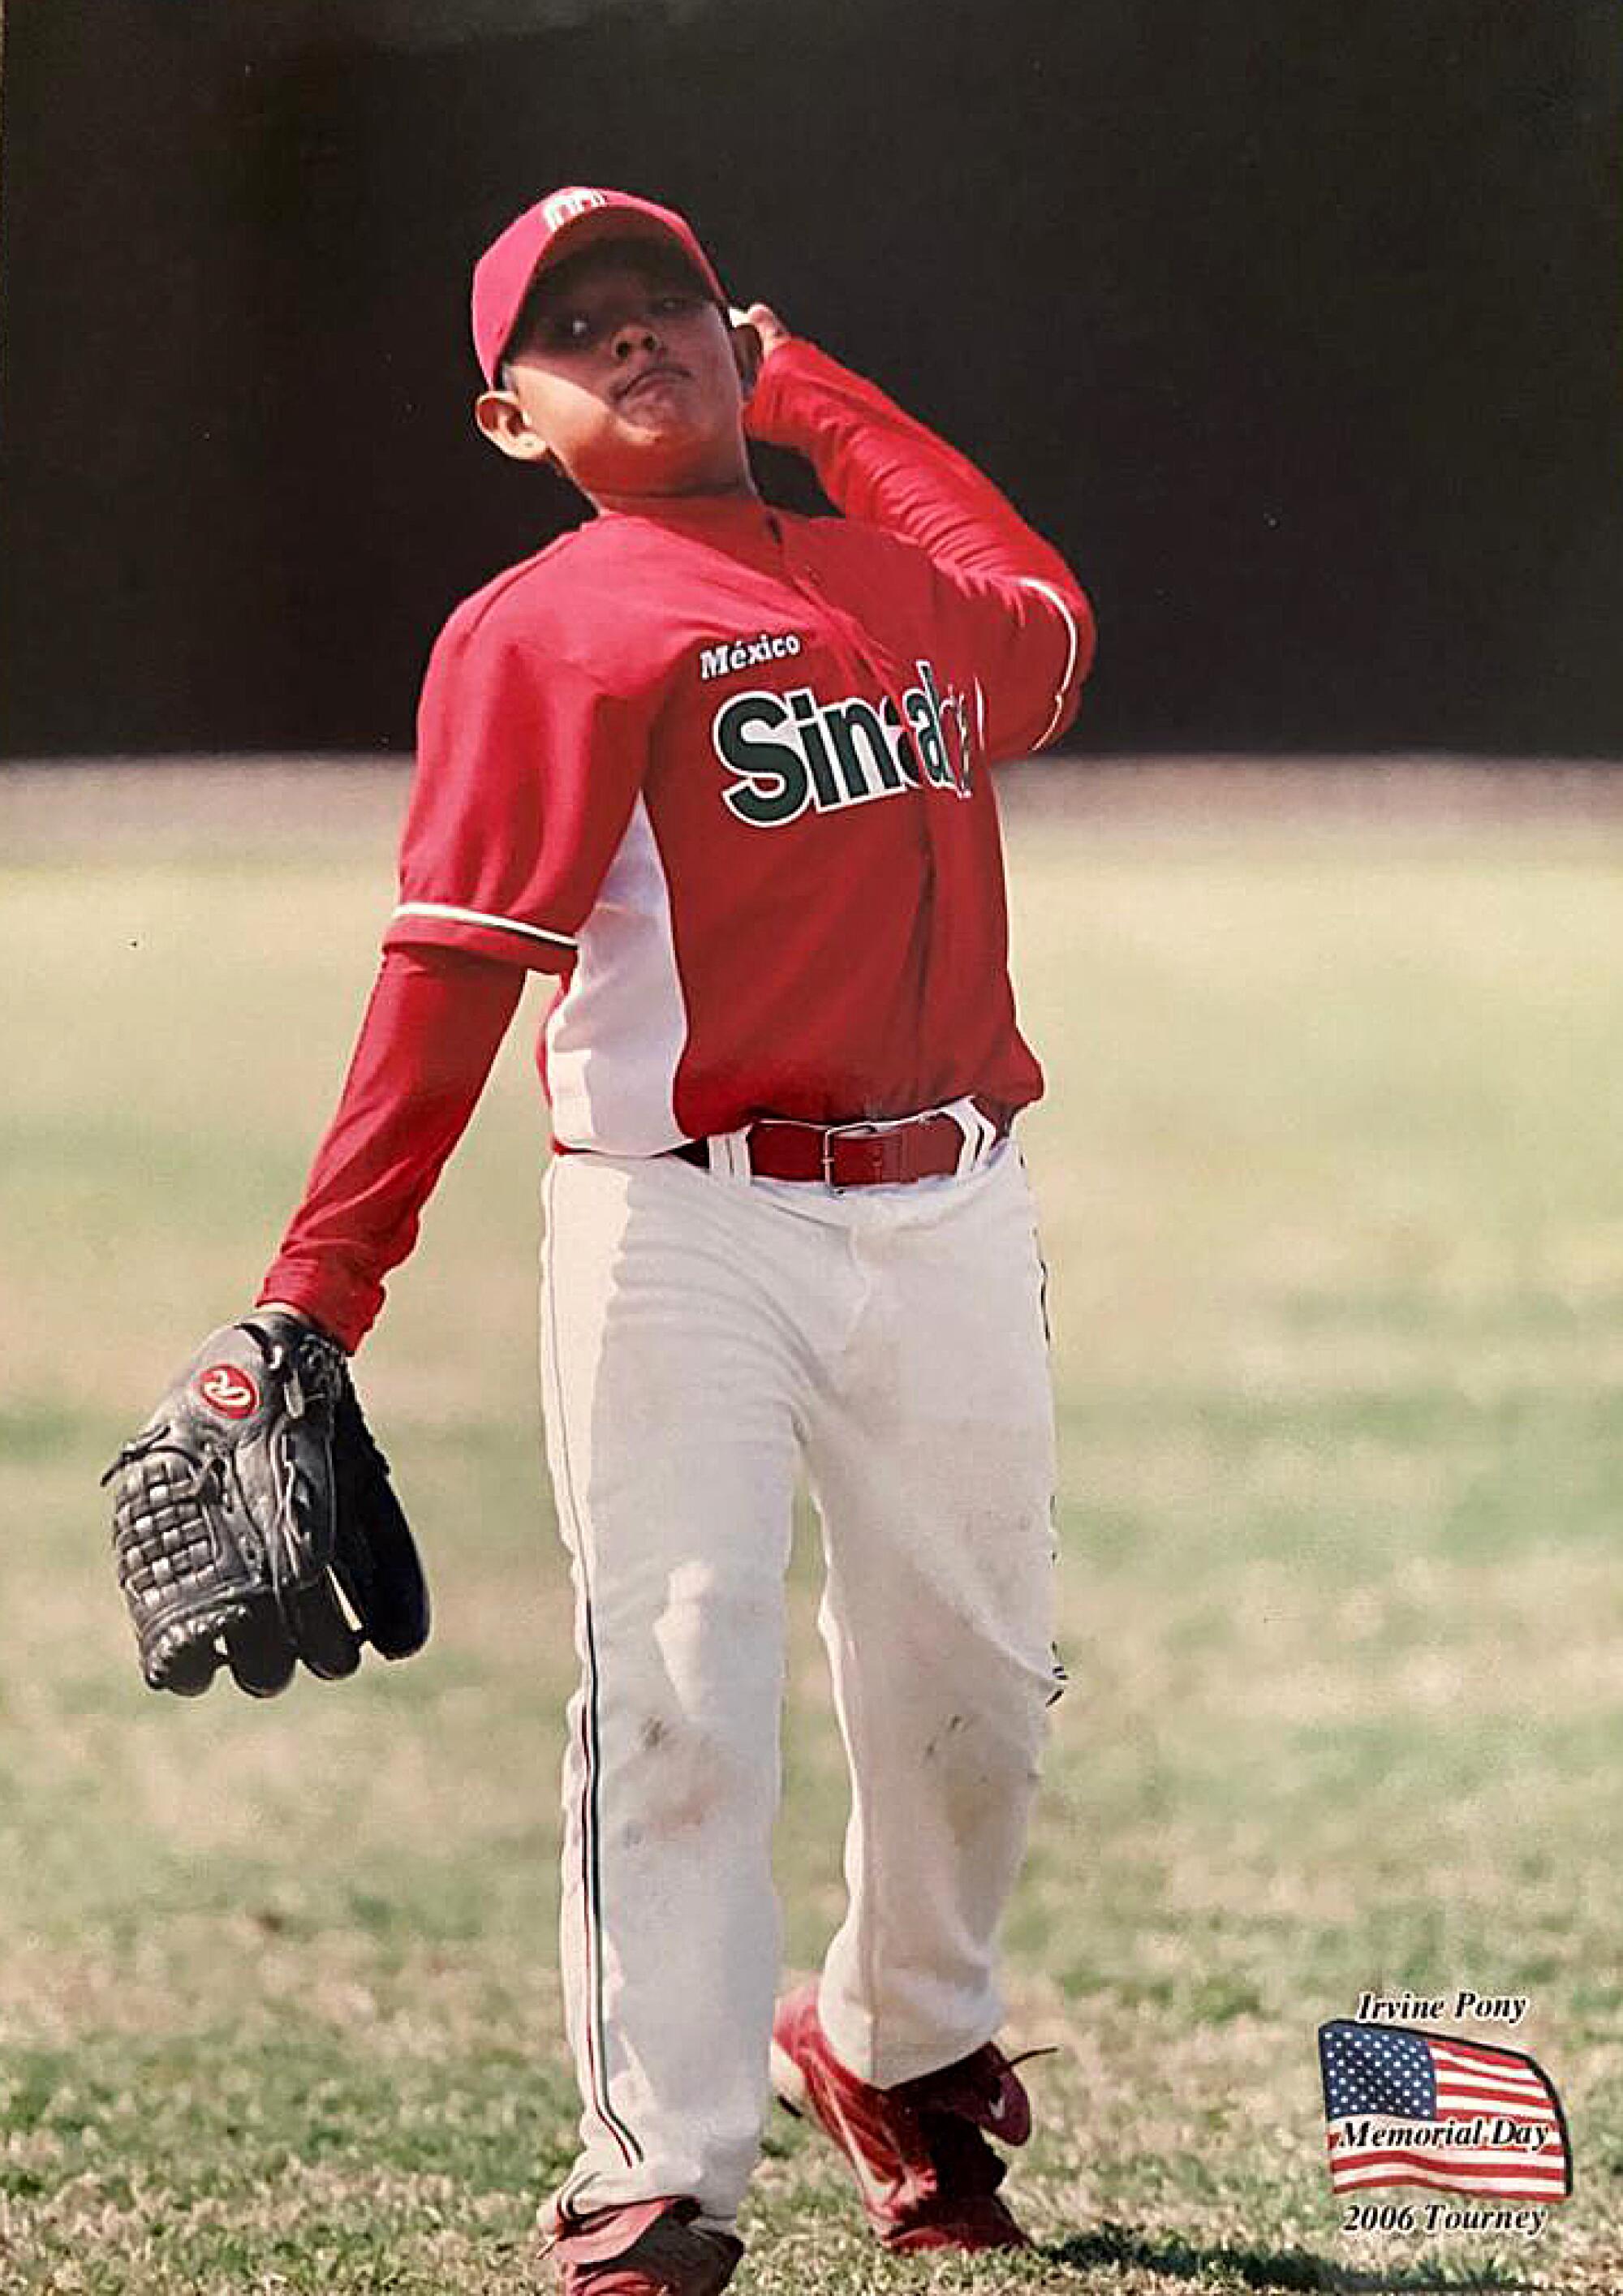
(623, 372)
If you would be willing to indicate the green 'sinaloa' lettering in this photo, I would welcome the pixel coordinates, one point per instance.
(773, 783)
(787, 751)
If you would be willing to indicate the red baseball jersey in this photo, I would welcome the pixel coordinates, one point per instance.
(722, 771)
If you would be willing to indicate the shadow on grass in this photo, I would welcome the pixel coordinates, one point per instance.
(1283, 2269)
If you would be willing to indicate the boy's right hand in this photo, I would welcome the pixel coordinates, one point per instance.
(768, 325)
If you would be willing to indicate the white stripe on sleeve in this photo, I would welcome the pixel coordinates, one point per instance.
(479, 917)
(1047, 590)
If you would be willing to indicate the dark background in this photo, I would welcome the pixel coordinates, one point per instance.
(1295, 325)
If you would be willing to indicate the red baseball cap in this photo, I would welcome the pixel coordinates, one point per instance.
(561, 223)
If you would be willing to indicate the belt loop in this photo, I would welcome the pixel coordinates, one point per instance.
(980, 1135)
(729, 1153)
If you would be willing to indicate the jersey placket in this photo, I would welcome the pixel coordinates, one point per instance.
(842, 633)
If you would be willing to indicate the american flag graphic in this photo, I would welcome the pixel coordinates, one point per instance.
(1403, 2107)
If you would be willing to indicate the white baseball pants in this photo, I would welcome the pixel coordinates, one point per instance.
(701, 1335)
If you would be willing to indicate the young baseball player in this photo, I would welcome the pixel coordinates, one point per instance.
(723, 773)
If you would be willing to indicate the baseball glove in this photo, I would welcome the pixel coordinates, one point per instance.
(253, 1488)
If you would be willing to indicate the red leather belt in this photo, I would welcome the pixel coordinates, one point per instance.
(880, 1153)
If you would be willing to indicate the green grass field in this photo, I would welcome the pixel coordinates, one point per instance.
(1334, 1198)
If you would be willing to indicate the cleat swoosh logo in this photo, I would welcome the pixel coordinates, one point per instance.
(1008, 2115)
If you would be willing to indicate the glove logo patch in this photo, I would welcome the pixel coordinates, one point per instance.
(228, 1390)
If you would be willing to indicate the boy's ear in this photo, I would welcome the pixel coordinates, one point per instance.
(503, 421)
(747, 352)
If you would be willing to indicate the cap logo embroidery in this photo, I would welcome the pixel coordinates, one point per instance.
(564, 205)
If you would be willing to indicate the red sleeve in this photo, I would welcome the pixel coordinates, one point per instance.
(528, 768)
(432, 1027)
(1026, 621)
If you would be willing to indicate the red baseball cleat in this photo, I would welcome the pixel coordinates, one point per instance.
(927, 2176)
(646, 2248)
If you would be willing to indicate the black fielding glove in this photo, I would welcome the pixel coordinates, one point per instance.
(251, 1496)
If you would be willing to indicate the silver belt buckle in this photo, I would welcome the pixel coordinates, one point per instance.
(833, 1132)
